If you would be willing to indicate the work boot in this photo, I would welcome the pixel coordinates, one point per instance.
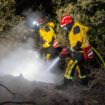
(84, 82)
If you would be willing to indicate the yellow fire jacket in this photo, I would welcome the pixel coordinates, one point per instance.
(77, 37)
(47, 36)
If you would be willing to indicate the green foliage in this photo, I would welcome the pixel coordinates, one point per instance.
(7, 16)
(94, 16)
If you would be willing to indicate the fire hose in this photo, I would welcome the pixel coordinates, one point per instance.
(100, 57)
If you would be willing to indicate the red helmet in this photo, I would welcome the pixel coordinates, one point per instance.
(66, 20)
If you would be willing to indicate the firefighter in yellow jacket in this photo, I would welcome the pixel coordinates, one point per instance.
(48, 39)
(79, 49)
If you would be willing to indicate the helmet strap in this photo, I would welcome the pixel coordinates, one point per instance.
(70, 26)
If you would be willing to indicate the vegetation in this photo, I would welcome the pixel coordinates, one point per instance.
(7, 16)
(88, 12)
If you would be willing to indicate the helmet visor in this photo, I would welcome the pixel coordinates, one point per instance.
(68, 26)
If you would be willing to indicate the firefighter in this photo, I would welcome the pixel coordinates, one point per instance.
(79, 48)
(48, 39)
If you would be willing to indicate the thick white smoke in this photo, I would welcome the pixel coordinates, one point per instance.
(17, 58)
(28, 63)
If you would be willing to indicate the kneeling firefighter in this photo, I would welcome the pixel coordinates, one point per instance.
(79, 48)
(48, 39)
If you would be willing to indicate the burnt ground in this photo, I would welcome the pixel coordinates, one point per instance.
(49, 94)
(18, 90)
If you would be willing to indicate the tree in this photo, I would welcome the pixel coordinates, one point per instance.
(7, 15)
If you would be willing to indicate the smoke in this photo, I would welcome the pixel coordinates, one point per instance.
(32, 17)
(18, 58)
(27, 62)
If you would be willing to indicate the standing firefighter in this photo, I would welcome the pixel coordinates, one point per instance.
(48, 39)
(79, 48)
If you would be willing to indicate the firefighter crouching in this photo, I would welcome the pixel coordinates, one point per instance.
(79, 49)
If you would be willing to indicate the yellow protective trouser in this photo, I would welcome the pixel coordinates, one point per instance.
(47, 56)
(73, 65)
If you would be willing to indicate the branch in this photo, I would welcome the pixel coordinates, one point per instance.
(16, 102)
(8, 90)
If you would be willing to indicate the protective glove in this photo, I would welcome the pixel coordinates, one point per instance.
(71, 52)
(63, 53)
(70, 49)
